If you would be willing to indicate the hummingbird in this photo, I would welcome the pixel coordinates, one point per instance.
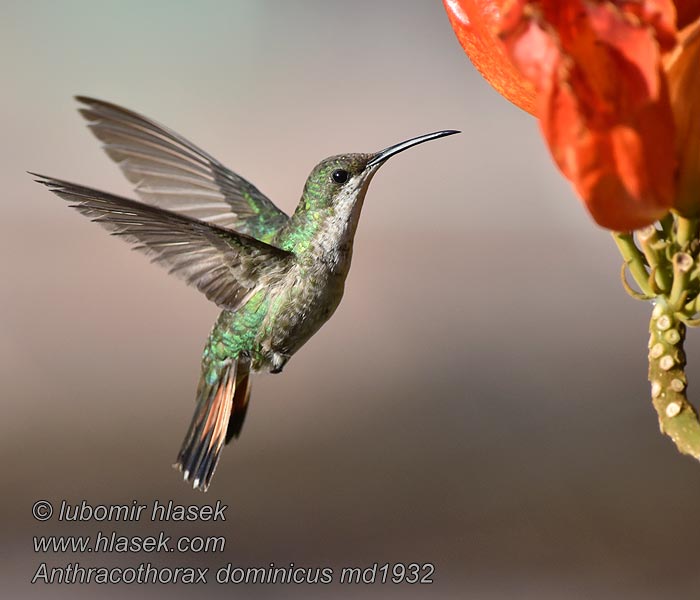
(276, 278)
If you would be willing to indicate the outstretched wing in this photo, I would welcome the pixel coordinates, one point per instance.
(224, 265)
(173, 173)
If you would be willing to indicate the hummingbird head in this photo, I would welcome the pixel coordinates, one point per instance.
(344, 178)
(326, 218)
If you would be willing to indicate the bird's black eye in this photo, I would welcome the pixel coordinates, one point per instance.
(340, 175)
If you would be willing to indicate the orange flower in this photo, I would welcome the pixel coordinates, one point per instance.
(616, 89)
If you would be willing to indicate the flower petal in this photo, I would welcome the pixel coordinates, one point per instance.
(683, 73)
(602, 102)
(475, 23)
(688, 11)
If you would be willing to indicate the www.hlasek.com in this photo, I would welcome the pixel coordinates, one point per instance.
(105, 542)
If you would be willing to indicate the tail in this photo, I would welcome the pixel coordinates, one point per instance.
(222, 401)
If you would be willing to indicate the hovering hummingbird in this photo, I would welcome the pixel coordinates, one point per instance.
(277, 278)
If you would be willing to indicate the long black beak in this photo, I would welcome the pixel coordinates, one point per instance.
(382, 155)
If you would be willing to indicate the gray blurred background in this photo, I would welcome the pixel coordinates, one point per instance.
(479, 400)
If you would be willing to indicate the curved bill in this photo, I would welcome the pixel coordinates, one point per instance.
(382, 155)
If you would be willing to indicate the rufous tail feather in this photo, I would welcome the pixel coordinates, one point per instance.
(241, 398)
(222, 400)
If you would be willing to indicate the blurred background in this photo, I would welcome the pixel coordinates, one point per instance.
(479, 400)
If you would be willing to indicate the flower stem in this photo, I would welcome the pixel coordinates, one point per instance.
(687, 231)
(654, 250)
(677, 417)
(634, 260)
(682, 264)
(666, 270)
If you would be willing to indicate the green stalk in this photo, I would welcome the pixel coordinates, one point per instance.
(635, 261)
(654, 250)
(687, 230)
(670, 255)
(682, 264)
(677, 417)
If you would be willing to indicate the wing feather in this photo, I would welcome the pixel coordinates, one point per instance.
(224, 265)
(172, 173)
